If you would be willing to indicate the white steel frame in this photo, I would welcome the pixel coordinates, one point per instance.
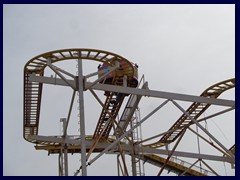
(79, 84)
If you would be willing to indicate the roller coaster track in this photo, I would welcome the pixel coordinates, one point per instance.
(174, 165)
(112, 105)
(177, 167)
(33, 90)
(195, 110)
(113, 102)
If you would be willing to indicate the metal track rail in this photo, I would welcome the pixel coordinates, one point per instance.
(33, 91)
(195, 110)
(112, 105)
(176, 167)
(32, 101)
(113, 102)
(53, 145)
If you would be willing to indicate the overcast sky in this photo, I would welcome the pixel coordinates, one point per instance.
(179, 48)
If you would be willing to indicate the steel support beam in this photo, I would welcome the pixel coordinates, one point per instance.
(161, 94)
(126, 133)
(210, 168)
(148, 150)
(189, 168)
(64, 148)
(69, 114)
(186, 126)
(171, 153)
(55, 69)
(203, 129)
(52, 80)
(136, 91)
(82, 117)
(128, 148)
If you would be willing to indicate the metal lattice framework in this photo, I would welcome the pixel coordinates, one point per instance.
(100, 141)
(195, 111)
(33, 90)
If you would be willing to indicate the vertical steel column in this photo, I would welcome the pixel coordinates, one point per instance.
(125, 172)
(65, 160)
(60, 163)
(133, 157)
(134, 166)
(65, 150)
(82, 120)
(118, 165)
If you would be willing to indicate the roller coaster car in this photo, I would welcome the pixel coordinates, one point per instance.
(116, 77)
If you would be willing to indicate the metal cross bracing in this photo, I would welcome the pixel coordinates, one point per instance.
(176, 165)
(195, 111)
(129, 110)
(37, 65)
(112, 104)
(119, 89)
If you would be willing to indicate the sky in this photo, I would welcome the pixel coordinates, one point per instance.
(179, 48)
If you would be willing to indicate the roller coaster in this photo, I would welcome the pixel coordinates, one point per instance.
(117, 132)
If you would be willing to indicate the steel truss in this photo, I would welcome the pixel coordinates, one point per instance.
(101, 142)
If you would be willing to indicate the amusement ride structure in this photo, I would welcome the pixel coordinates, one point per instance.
(118, 131)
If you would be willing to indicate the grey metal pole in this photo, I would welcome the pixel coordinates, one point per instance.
(189, 168)
(66, 160)
(60, 162)
(65, 150)
(69, 114)
(133, 157)
(118, 170)
(82, 120)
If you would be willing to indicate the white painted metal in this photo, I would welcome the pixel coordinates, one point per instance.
(204, 130)
(69, 114)
(78, 84)
(126, 133)
(136, 91)
(82, 118)
(161, 94)
(147, 150)
(54, 68)
(64, 153)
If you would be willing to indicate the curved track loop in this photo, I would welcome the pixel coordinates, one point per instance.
(195, 110)
(33, 90)
(33, 94)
